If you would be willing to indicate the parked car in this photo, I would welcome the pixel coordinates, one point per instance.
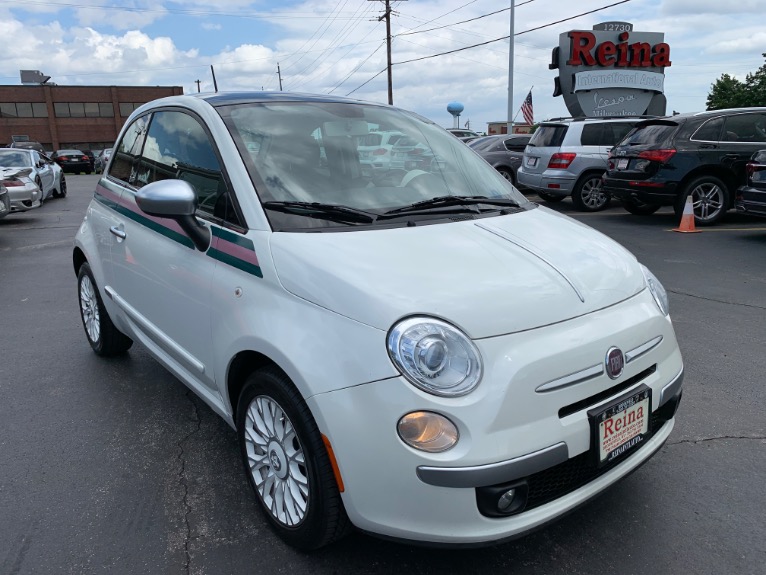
(751, 197)
(92, 157)
(73, 161)
(702, 154)
(28, 145)
(102, 159)
(5, 202)
(41, 170)
(23, 193)
(375, 151)
(567, 157)
(464, 135)
(427, 357)
(503, 152)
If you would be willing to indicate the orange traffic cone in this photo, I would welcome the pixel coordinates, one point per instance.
(687, 219)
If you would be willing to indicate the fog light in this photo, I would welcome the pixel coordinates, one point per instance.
(427, 431)
(506, 500)
(502, 500)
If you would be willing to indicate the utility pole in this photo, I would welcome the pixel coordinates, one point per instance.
(279, 73)
(510, 75)
(197, 82)
(387, 16)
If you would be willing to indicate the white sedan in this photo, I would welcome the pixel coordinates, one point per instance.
(423, 355)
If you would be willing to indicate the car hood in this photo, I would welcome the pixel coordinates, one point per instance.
(489, 276)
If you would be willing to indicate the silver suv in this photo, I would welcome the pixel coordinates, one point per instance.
(568, 157)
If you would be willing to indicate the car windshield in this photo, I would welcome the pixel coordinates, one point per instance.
(308, 152)
(11, 159)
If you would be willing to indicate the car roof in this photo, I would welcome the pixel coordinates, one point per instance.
(230, 98)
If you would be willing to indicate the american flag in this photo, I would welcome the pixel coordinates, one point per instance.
(526, 109)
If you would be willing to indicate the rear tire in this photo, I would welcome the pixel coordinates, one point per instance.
(507, 174)
(588, 196)
(710, 199)
(638, 208)
(39, 184)
(105, 339)
(287, 464)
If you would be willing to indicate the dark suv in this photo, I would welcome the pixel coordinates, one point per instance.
(704, 155)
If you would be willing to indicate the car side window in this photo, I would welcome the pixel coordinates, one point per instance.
(745, 128)
(127, 152)
(178, 147)
(593, 135)
(710, 131)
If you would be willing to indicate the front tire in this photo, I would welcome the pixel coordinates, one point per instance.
(710, 200)
(39, 184)
(105, 339)
(287, 464)
(588, 195)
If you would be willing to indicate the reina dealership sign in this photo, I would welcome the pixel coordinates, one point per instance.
(611, 71)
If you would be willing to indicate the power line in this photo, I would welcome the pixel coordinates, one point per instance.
(339, 84)
(498, 39)
(516, 34)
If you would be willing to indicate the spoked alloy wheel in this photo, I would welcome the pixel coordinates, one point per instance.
(287, 463)
(62, 187)
(91, 318)
(506, 173)
(277, 461)
(103, 337)
(588, 195)
(710, 200)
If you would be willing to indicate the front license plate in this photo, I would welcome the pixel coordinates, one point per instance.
(622, 163)
(531, 162)
(622, 425)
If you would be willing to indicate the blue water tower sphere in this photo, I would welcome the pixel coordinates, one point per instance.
(455, 108)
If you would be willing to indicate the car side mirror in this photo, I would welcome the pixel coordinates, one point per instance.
(176, 200)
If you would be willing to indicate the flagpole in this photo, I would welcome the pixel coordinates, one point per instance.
(510, 73)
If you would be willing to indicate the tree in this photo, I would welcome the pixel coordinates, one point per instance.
(755, 86)
(728, 92)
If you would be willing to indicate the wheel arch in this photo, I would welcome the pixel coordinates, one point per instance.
(586, 173)
(500, 167)
(242, 365)
(726, 176)
(78, 258)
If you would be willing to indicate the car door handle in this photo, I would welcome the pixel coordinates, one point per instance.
(732, 157)
(118, 232)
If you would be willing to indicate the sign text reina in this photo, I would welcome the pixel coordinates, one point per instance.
(584, 52)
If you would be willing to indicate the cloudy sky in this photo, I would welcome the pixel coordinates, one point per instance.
(338, 47)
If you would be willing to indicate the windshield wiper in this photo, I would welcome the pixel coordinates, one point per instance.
(448, 201)
(332, 212)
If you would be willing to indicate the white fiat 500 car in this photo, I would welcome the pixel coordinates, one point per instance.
(424, 354)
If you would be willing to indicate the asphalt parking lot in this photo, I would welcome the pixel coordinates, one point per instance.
(113, 466)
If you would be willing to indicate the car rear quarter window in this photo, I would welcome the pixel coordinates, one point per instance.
(549, 136)
(595, 134)
(652, 133)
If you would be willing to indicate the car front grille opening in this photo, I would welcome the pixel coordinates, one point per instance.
(606, 394)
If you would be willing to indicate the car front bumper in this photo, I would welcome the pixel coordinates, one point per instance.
(510, 430)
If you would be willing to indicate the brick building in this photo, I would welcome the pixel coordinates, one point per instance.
(80, 117)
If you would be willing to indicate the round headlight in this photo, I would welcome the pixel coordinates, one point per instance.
(435, 356)
(658, 292)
